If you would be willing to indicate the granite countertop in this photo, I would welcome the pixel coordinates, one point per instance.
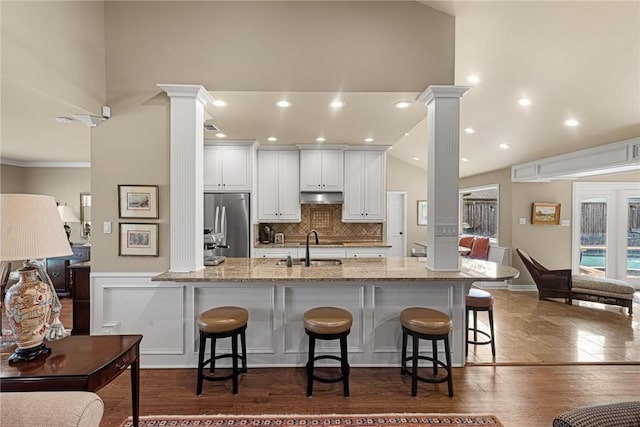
(323, 245)
(352, 269)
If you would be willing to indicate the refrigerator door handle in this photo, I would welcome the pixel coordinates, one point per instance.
(223, 225)
(215, 223)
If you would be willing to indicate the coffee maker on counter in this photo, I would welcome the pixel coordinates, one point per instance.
(266, 233)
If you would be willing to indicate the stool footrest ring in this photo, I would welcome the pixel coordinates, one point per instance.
(409, 370)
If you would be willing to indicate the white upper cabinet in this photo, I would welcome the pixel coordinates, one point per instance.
(278, 186)
(364, 186)
(227, 167)
(321, 170)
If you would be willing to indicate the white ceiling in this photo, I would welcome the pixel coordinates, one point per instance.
(572, 59)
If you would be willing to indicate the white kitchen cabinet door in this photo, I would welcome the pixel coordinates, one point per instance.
(236, 168)
(321, 170)
(278, 186)
(310, 170)
(332, 170)
(353, 206)
(212, 168)
(267, 185)
(364, 192)
(374, 185)
(227, 168)
(289, 186)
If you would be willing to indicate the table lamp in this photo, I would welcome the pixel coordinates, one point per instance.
(67, 216)
(31, 229)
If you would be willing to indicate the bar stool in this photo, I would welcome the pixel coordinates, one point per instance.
(479, 300)
(428, 324)
(328, 323)
(222, 322)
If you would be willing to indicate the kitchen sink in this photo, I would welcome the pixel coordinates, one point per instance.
(314, 262)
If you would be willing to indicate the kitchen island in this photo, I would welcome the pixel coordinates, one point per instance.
(374, 290)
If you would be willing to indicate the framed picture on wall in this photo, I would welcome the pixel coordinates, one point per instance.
(545, 213)
(138, 239)
(422, 212)
(138, 201)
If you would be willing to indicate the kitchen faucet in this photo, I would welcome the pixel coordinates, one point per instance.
(307, 260)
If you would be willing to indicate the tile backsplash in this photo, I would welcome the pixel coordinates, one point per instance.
(327, 221)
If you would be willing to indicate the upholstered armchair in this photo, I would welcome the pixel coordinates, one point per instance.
(550, 283)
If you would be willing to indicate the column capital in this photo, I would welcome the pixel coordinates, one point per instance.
(187, 91)
(436, 91)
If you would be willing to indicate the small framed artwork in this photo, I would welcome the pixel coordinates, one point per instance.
(422, 212)
(545, 213)
(138, 239)
(138, 201)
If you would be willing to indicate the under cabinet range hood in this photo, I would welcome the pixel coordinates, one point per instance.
(320, 198)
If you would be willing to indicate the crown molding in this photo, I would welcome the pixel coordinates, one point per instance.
(21, 164)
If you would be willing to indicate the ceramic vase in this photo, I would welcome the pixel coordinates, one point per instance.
(28, 309)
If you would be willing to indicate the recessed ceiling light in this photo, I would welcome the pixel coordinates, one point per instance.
(504, 146)
(272, 139)
(219, 103)
(283, 104)
(368, 140)
(524, 101)
(406, 134)
(571, 123)
(336, 104)
(221, 135)
(63, 119)
(321, 139)
(402, 104)
(416, 158)
(473, 78)
(469, 130)
(464, 159)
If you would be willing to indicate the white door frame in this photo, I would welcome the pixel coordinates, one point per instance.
(403, 195)
(617, 193)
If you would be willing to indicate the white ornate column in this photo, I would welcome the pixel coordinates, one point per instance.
(187, 137)
(443, 148)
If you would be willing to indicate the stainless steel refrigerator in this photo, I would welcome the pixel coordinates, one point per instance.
(227, 217)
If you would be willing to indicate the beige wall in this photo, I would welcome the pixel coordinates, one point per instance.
(64, 184)
(403, 176)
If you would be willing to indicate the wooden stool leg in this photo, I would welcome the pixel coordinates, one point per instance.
(449, 373)
(200, 363)
(312, 350)
(243, 340)
(212, 365)
(475, 325)
(414, 368)
(403, 363)
(344, 362)
(234, 363)
(434, 349)
(493, 335)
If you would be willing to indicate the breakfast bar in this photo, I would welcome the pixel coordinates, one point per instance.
(374, 290)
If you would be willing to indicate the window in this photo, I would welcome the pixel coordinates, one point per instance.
(479, 211)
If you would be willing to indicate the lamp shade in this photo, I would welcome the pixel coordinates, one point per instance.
(31, 228)
(67, 215)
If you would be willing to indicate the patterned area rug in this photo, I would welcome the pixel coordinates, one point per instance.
(369, 420)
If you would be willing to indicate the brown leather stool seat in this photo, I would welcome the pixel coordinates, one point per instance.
(222, 322)
(479, 300)
(328, 323)
(429, 324)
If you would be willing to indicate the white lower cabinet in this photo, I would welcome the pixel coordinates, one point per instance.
(367, 252)
(280, 253)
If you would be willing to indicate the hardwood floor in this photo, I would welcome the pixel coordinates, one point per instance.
(551, 357)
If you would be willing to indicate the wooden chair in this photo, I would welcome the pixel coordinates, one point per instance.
(550, 283)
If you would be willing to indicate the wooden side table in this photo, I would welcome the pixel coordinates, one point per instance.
(77, 362)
